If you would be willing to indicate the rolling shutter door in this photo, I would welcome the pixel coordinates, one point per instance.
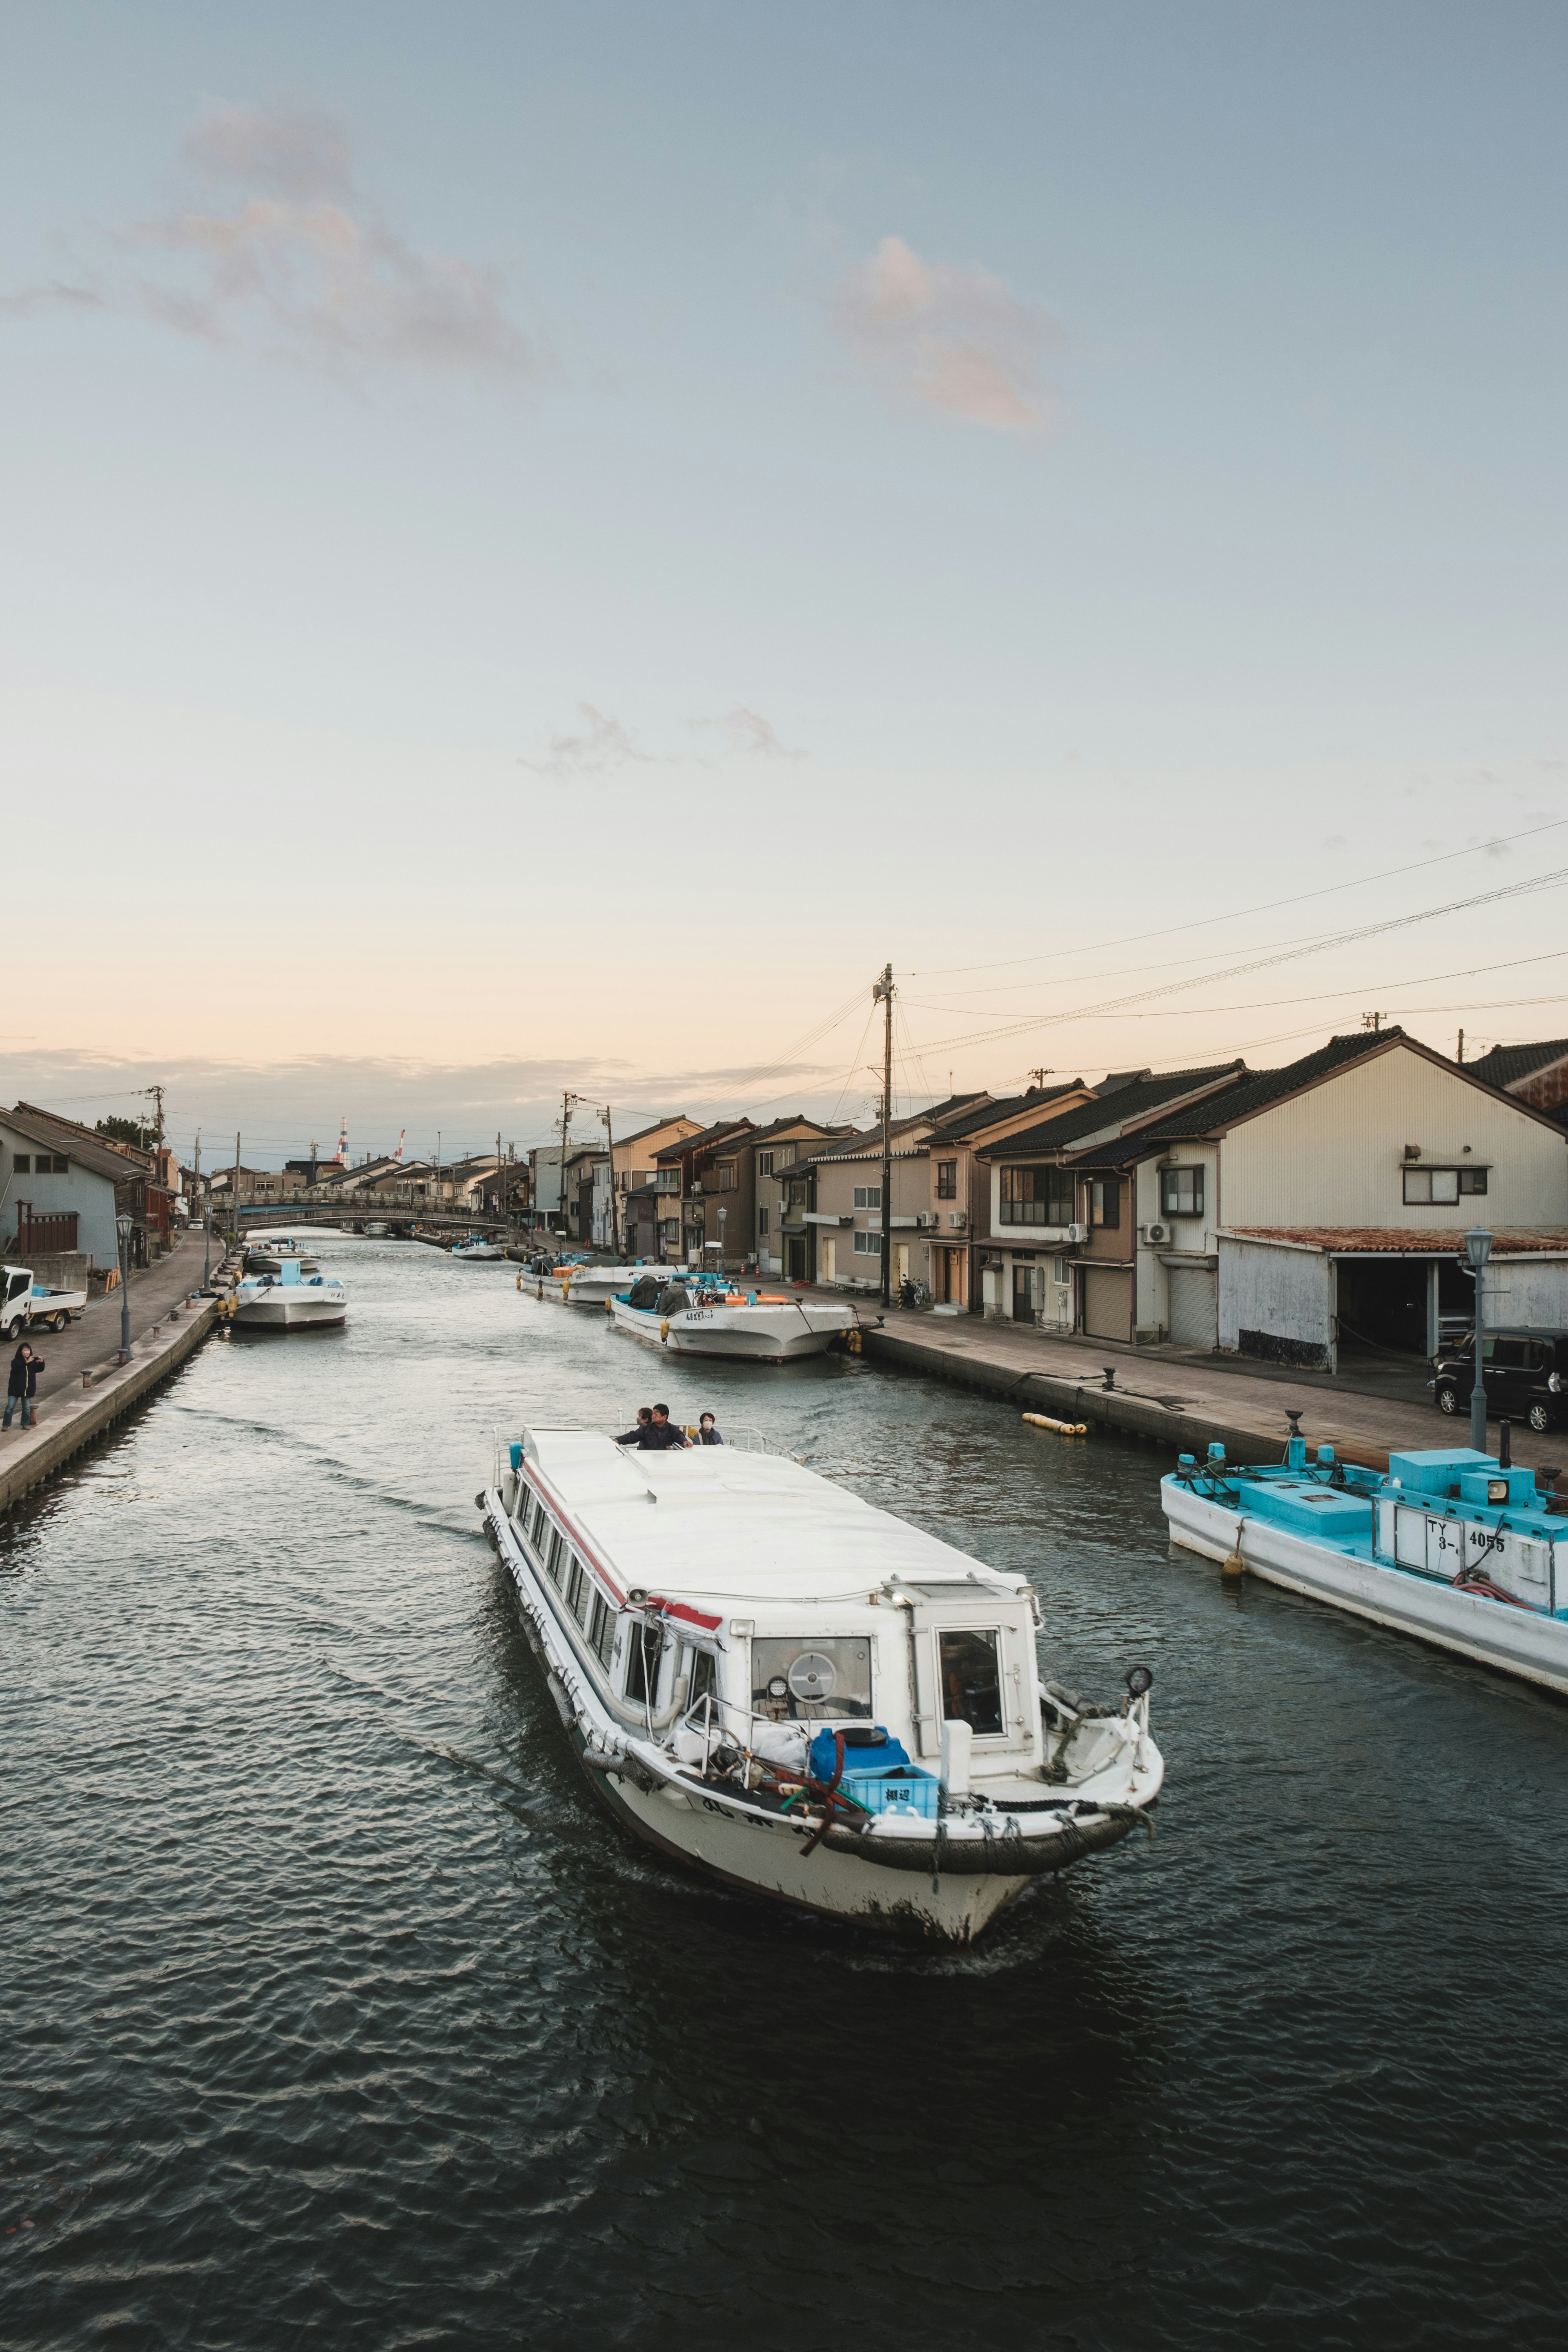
(1107, 1303)
(1195, 1306)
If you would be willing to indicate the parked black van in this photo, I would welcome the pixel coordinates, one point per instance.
(1526, 1377)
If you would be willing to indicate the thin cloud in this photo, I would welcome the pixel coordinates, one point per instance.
(954, 341)
(746, 732)
(600, 747)
(281, 254)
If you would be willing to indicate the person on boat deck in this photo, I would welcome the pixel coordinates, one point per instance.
(636, 1437)
(23, 1385)
(662, 1434)
(708, 1430)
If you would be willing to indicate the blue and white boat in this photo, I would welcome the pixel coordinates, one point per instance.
(476, 1251)
(1455, 1547)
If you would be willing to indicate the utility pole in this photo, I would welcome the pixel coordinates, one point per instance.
(155, 1095)
(1037, 1077)
(500, 1212)
(1461, 1056)
(615, 1221)
(236, 1203)
(1372, 1021)
(566, 1099)
(883, 994)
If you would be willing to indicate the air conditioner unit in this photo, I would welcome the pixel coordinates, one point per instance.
(922, 1217)
(1078, 1232)
(1413, 1152)
(958, 1219)
(1156, 1233)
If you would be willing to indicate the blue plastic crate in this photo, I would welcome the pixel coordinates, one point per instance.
(881, 1792)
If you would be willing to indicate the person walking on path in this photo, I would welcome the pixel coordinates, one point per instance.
(23, 1385)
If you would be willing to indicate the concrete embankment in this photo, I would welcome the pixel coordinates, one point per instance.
(1184, 1404)
(86, 1390)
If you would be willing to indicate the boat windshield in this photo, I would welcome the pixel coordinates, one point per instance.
(801, 1681)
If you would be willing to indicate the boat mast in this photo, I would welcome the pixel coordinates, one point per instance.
(883, 993)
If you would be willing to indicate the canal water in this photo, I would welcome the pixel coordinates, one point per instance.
(336, 2012)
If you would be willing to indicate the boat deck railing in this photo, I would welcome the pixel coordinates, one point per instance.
(740, 1436)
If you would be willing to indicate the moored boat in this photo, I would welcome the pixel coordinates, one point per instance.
(706, 1319)
(783, 1686)
(595, 1285)
(287, 1300)
(476, 1251)
(1455, 1547)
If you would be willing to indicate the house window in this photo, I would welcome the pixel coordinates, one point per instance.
(1441, 1187)
(867, 1196)
(1181, 1192)
(797, 1195)
(24, 1163)
(1037, 1196)
(867, 1244)
(1105, 1202)
(947, 1180)
(670, 1232)
(788, 1155)
(764, 1164)
(762, 1222)
(667, 1180)
(724, 1176)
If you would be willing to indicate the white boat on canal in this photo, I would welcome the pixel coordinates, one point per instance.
(789, 1690)
(595, 1285)
(289, 1300)
(1457, 1547)
(708, 1321)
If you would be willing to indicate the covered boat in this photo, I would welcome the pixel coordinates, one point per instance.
(595, 1285)
(287, 1300)
(1455, 1547)
(708, 1320)
(788, 1689)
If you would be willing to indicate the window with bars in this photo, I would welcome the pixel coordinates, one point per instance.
(761, 1223)
(1037, 1196)
(947, 1180)
(764, 1164)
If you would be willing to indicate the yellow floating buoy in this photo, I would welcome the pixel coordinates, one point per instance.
(1233, 1565)
(1064, 1428)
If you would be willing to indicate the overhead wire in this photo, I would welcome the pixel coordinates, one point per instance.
(1551, 881)
(1329, 890)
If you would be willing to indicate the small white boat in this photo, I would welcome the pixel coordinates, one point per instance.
(475, 1251)
(595, 1285)
(765, 1326)
(376, 1232)
(1458, 1548)
(287, 1300)
(779, 1684)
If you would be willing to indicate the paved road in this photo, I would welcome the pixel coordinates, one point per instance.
(95, 1339)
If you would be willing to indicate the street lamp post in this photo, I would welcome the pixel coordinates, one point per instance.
(1477, 1249)
(208, 1249)
(124, 1227)
(722, 1214)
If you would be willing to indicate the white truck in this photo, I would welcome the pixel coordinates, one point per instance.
(31, 1306)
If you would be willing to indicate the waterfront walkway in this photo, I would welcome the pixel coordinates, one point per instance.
(82, 1389)
(1182, 1401)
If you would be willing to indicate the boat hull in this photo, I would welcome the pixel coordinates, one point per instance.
(1514, 1641)
(766, 1335)
(287, 1310)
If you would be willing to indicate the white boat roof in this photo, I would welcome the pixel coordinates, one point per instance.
(744, 1527)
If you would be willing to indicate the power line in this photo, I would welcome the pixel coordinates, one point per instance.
(1552, 881)
(1170, 931)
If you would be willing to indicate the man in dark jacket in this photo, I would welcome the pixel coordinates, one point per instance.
(661, 1434)
(23, 1385)
(636, 1436)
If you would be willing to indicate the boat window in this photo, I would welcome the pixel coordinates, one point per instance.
(704, 1674)
(541, 1521)
(809, 1681)
(643, 1653)
(578, 1590)
(557, 1560)
(971, 1680)
(602, 1629)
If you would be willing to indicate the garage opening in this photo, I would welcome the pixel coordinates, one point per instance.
(1382, 1307)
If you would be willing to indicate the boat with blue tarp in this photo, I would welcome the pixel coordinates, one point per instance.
(1455, 1547)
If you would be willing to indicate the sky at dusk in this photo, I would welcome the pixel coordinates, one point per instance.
(541, 547)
